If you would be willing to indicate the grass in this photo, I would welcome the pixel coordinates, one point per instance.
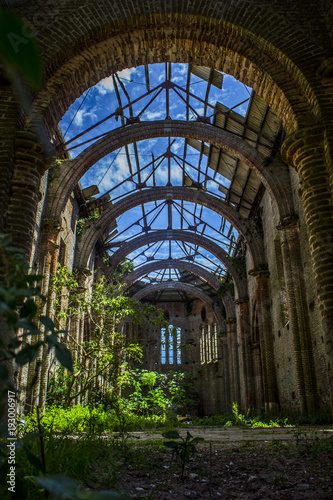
(96, 460)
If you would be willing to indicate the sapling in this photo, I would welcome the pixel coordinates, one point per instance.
(184, 448)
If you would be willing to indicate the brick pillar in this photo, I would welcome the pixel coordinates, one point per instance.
(233, 360)
(77, 323)
(36, 394)
(226, 373)
(49, 262)
(245, 361)
(82, 276)
(8, 122)
(152, 349)
(258, 391)
(30, 165)
(298, 313)
(266, 340)
(306, 151)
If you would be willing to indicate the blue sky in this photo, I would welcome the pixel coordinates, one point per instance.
(101, 101)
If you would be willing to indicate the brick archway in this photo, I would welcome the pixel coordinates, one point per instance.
(273, 176)
(246, 227)
(96, 52)
(180, 235)
(173, 264)
(227, 300)
(185, 287)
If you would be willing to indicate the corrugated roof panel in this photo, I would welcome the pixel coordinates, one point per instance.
(226, 167)
(204, 73)
(194, 143)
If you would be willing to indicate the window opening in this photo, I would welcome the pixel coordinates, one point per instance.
(214, 340)
(209, 345)
(179, 353)
(163, 346)
(202, 346)
(170, 345)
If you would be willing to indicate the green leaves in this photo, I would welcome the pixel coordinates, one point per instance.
(47, 322)
(64, 357)
(64, 487)
(184, 448)
(28, 353)
(172, 435)
(18, 49)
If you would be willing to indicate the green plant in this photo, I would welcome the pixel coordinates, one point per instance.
(182, 449)
(225, 287)
(237, 417)
(64, 487)
(81, 222)
(106, 355)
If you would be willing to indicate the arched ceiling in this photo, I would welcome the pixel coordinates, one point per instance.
(139, 169)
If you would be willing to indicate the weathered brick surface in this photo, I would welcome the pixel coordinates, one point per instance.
(211, 379)
(281, 49)
(185, 287)
(265, 54)
(305, 151)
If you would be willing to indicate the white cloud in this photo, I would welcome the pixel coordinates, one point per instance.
(83, 115)
(152, 115)
(106, 85)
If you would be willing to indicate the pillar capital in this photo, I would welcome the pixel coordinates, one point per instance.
(230, 321)
(306, 138)
(50, 226)
(288, 223)
(241, 301)
(30, 151)
(259, 271)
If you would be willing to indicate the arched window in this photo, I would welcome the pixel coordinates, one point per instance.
(214, 344)
(202, 346)
(163, 346)
(171, 345)
(208, 344)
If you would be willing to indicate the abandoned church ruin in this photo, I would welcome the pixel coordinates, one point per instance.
(224, 211)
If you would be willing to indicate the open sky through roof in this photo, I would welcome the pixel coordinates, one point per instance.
(148, 163)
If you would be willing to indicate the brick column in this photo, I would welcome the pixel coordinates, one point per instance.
(298, 313)
(258, 391)
(49, 261)
(226, 373)
(8, 122)
(77, 322)
(245, 361)
(233, 360)
(266, 340)
(30, 165)
(48, 265)
(305, 151)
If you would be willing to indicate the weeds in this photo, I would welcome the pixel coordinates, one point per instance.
(182, 449)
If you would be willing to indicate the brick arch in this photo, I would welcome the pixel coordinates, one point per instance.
(180, 235)
(275, 177)
(246, 227)
(182, 265)
(184, 287)
(229, 305)
(97, 53)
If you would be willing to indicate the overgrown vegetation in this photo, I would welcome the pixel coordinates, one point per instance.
(69, 445)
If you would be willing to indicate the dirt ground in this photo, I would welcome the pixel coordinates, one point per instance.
(232, 463)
